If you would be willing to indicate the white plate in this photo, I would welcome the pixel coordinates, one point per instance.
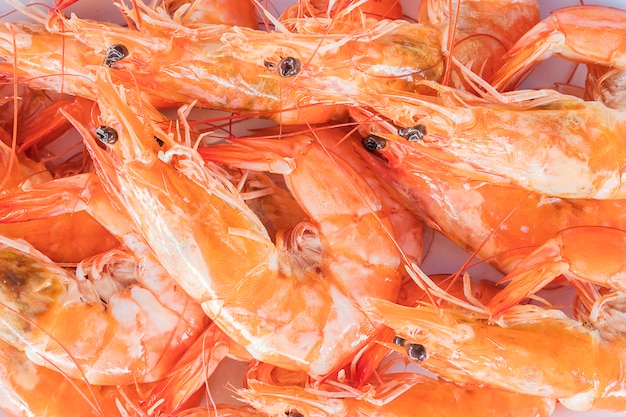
(553, 71)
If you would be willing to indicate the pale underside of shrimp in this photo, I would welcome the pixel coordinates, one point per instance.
(278, 392)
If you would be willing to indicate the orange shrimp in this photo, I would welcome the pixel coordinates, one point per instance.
(182, 207)
(528, 350)
(191, 372)
(277, 392)
(499, 224)
(574, 151)
(134, 321)
(236, 69)
(407, 228)
(67, 219)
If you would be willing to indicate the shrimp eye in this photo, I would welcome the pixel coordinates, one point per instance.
(373, 143)
(115, 53)
(416, 351)
(288, 67)
(292, 413)
(397, 340)
(106, 134)
(158, 140)
(413, 134)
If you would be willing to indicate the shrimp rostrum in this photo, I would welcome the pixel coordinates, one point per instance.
(216, 248)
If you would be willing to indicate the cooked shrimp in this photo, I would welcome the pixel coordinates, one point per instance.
(236, 69)
(497, 223)
(529, 350)
(277, 392)
(192, 372)
(67, 219)
(181, 207)
(134, 322)
(353, 228)
(574, 151)
(408, 229)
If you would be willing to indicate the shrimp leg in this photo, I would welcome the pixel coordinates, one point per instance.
(592, 254)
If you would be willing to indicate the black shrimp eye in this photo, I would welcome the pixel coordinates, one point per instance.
(373, 143)
(106, 134)
(115, 53)
(159, 141)
(288, 67)
(397, 340)
(413, 134)
(416, 351)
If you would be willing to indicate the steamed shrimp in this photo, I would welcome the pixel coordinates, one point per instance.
(181, 207)
(590, 254)
(497, 223)
(67, 219)
(289, 75)
(529, 350)
(573, 33)
(107, 325)
(574, 151)
(236, 69)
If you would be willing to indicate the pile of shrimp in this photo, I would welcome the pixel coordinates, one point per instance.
(210, 181)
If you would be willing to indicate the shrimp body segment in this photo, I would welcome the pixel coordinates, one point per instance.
(219, 252)
(498, 223)
(277, 392)
(482, 37)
